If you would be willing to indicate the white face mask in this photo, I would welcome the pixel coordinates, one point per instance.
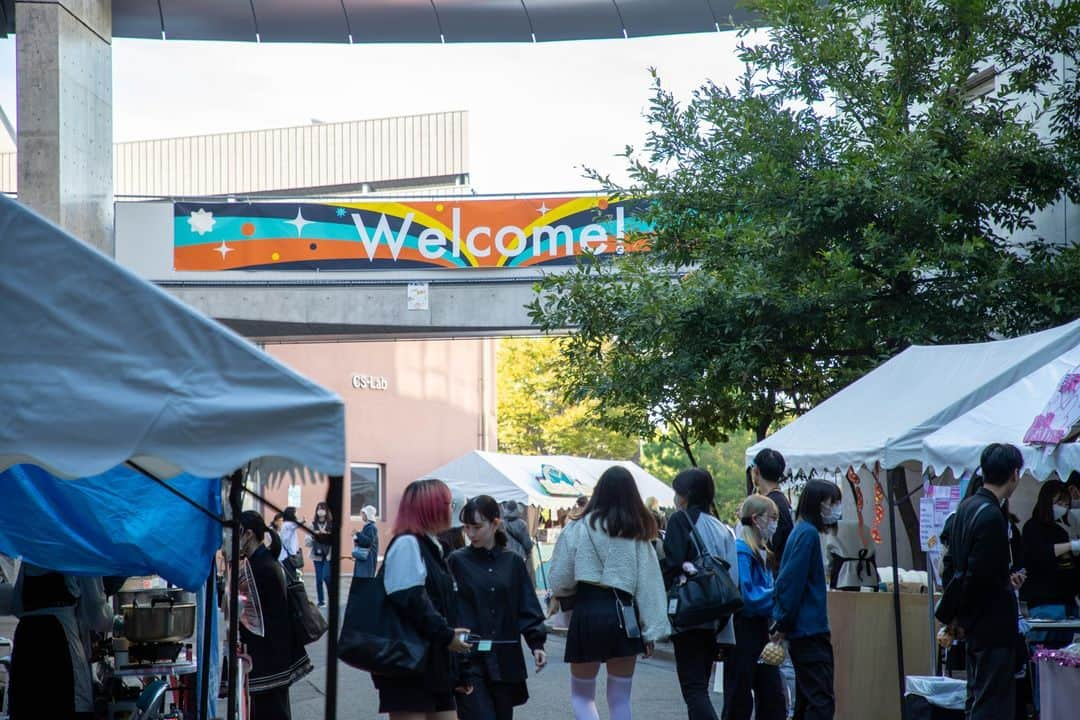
(768, 530)
(833, 516)
(1059, 512)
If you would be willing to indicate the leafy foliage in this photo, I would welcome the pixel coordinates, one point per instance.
(848, 198)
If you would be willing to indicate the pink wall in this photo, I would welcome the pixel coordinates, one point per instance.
(439, 404)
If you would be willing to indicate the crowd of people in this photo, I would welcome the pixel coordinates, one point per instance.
(456, 570)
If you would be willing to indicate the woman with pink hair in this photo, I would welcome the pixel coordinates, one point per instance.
(419, 585)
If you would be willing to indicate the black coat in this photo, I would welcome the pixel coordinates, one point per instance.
(1051, 579)
(278, 658)
(784, 525)
(496, 601)
(431, 609)
(988, 613)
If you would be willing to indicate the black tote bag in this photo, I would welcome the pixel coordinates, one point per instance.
(710, 595)
(374, 637)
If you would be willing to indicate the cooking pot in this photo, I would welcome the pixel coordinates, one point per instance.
(162, 620)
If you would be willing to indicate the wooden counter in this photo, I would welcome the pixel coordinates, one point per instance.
(864, 650)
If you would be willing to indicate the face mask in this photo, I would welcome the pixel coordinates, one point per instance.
(1076, 504)
(321, 513)
(770, 530)
(833, 517)
(1059, 512)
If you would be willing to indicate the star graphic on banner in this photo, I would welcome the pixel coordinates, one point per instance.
(543, 209)
(340, 212)
(299, 222)
(223, 249)
(201, 222)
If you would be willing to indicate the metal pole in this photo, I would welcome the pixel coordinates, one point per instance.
(335, 500)
(235, 493)
(891, 480)
(209, 606)
(931, 589)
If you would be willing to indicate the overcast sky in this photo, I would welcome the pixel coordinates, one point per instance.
(537, 113)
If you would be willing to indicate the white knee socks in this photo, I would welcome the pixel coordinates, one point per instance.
(583, 698)
(618, 696)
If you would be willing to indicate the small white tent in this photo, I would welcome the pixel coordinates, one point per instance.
(1005, 418)
(517, 477)
(884, 416)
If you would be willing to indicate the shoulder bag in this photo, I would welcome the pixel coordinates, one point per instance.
(709, 595)
(308, 623)
(953, 596)
(374, 637)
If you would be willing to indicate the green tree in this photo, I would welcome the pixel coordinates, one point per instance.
(849, 197)
(535, 418)
(664, 458)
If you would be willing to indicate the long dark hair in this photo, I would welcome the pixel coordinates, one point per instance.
(290, 515)
(486, 507)
(813, 495)
(1048, 494)
(617, 507)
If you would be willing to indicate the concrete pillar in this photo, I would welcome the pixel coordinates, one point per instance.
(64, 108)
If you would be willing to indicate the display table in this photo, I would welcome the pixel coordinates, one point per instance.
(1059, 684)
(866, 679)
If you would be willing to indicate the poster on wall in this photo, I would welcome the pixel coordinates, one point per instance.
(450, 233)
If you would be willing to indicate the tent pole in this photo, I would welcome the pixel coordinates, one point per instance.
(335, 500)
(235, 492)
(209, 606)
(890, 476)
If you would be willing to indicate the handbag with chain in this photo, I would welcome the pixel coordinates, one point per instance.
(708, 595)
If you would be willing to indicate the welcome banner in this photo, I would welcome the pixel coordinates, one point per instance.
(449, 233)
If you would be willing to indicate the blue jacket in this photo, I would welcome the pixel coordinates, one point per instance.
(799, 604)
(755, 582)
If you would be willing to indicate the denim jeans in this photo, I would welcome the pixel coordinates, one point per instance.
(322, 574)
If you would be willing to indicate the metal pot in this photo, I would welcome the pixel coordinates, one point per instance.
(163, 620)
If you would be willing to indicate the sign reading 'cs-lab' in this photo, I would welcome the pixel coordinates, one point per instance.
(370, 382)
(459, 233)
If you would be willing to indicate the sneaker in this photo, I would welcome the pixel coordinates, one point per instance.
(322, 604)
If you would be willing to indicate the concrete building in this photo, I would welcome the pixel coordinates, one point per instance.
(410, 407)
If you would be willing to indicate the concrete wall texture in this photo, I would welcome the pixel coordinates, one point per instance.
(439, 402)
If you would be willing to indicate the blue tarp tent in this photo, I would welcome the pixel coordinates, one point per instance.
(122, 409)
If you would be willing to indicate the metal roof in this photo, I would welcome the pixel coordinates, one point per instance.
(418, 21)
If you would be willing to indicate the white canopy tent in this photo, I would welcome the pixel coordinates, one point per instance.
(100, 369)
(1005, 418)
(884, 416)
(515, 477)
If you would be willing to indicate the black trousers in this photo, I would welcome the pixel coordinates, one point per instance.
(991, 685)
(695, 653)
(489, 701)
(750, 687)
(271, 704)
(813, 660)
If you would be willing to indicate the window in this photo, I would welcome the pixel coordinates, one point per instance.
(365, 488)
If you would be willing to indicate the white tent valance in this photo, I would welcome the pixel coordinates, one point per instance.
(515, 477)
(884, 416)
(1006, 418)
(98, 367)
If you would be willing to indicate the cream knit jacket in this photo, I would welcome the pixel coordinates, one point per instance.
(628, 565)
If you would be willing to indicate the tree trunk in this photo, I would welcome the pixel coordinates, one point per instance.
(908, 516)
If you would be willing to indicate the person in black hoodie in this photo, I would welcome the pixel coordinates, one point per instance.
(278, 659)
(496, 599)
(1052, 580)
(419, 585)
(987, 612)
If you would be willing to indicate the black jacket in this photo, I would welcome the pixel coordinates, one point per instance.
(496, 601)
(431, 609)
(1051, 580)
(988, 612)
(278, 659)
(784, 526)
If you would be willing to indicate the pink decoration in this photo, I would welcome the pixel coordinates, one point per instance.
(1058, 657)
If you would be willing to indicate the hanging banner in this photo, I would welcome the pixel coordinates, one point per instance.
(378, 235)
(1061, 414)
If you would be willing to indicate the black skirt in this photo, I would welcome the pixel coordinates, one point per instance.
(400, 695)
(596, 631)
